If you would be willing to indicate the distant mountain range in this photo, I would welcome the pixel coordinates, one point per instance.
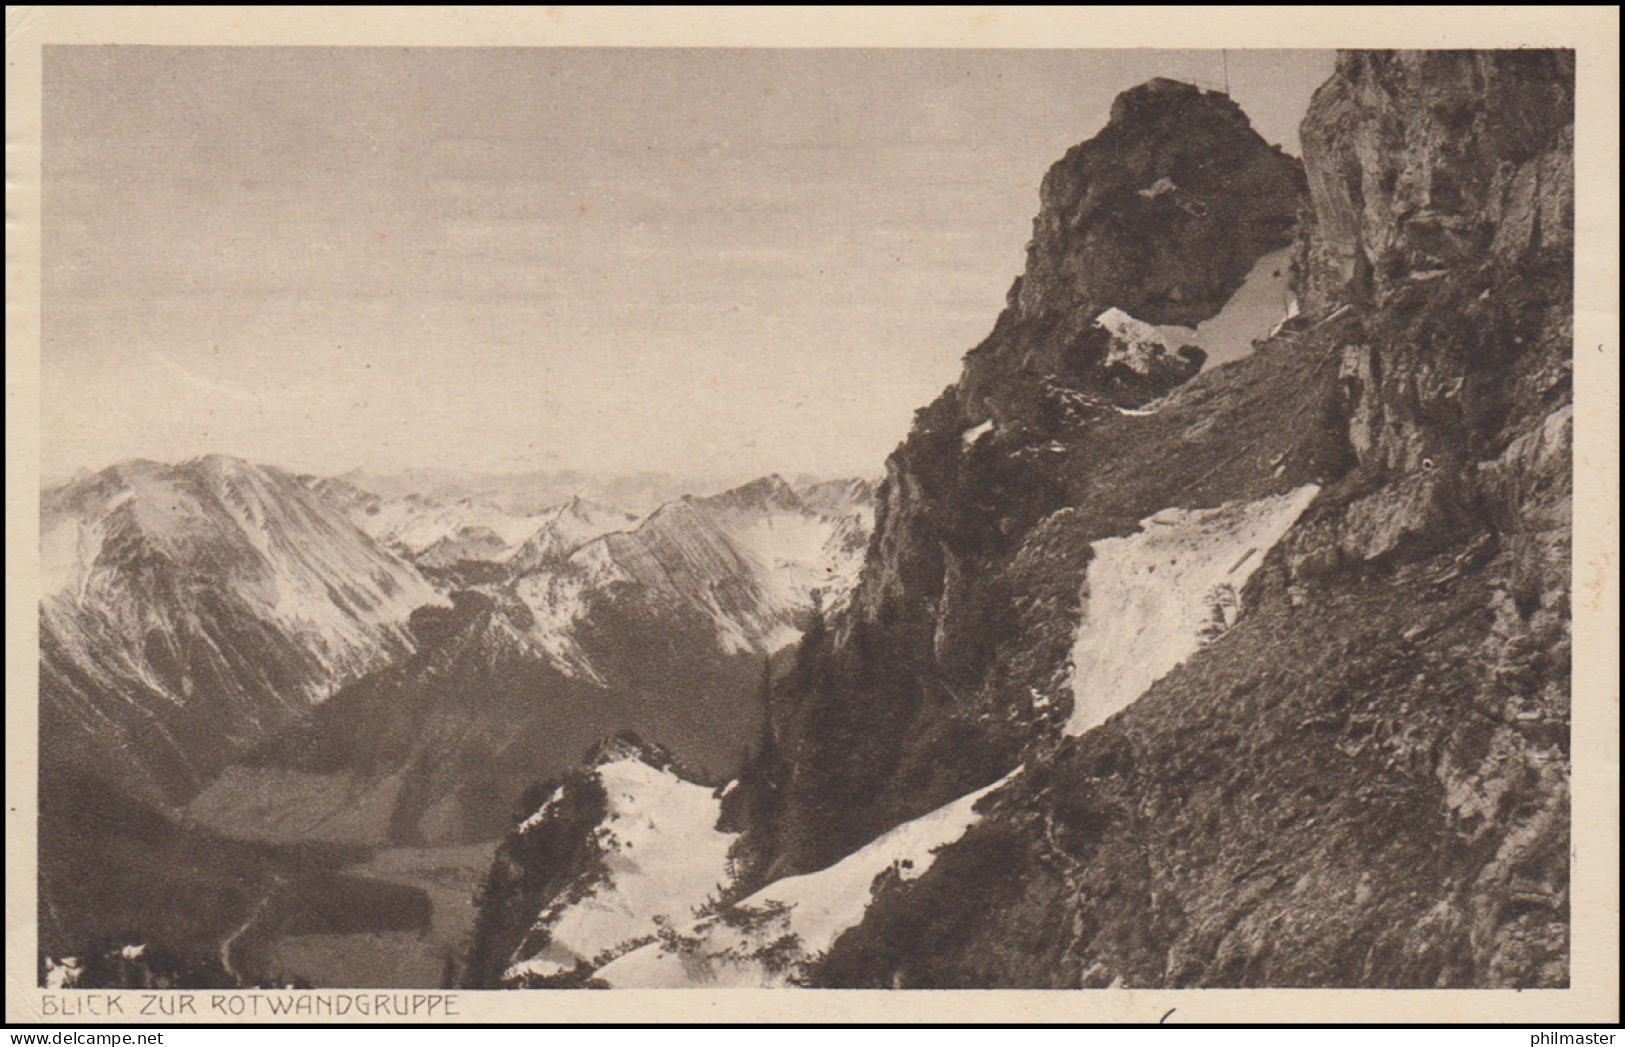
(534, 491)
(670, 627)
(298, 658)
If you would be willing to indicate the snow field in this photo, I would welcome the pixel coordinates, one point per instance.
(1148, 596)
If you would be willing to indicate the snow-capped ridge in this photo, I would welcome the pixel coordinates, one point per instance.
(748, 559)
(565, 530)
(658, 856)
(838, 497)
(761, 940)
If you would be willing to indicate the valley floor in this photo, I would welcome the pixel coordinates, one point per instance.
(428, 957)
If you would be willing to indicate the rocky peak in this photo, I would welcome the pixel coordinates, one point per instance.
(1162, 97)
(1160, 215)
(766, 494)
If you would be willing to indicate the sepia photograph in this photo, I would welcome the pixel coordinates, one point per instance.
(526, 518)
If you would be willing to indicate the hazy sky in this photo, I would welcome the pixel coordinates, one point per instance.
(701, 261)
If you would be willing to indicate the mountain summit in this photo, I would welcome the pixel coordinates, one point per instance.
(1158, 219)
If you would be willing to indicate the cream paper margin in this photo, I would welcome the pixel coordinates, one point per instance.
(1592, 31)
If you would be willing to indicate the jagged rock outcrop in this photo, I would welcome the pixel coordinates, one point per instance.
(907, 698)
(1362, 778)
(1160, 215)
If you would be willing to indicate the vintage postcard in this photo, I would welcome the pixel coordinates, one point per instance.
(1062, 515)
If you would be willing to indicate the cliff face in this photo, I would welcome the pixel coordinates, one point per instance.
(1360, 779)
(925, 686)
(1432, 159)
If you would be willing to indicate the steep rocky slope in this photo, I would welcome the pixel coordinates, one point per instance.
(949, 658)
(1360, 776)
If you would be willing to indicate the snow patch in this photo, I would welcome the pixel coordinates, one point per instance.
(63, 975)
(976, 432)
(1157, 188)
(1136, 344)
(1259, 305)
(538, 966)
(1258, 309)
(1148, 597)
(541, 812)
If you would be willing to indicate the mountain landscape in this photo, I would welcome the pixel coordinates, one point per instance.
(311, 679)
(1211, 630)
